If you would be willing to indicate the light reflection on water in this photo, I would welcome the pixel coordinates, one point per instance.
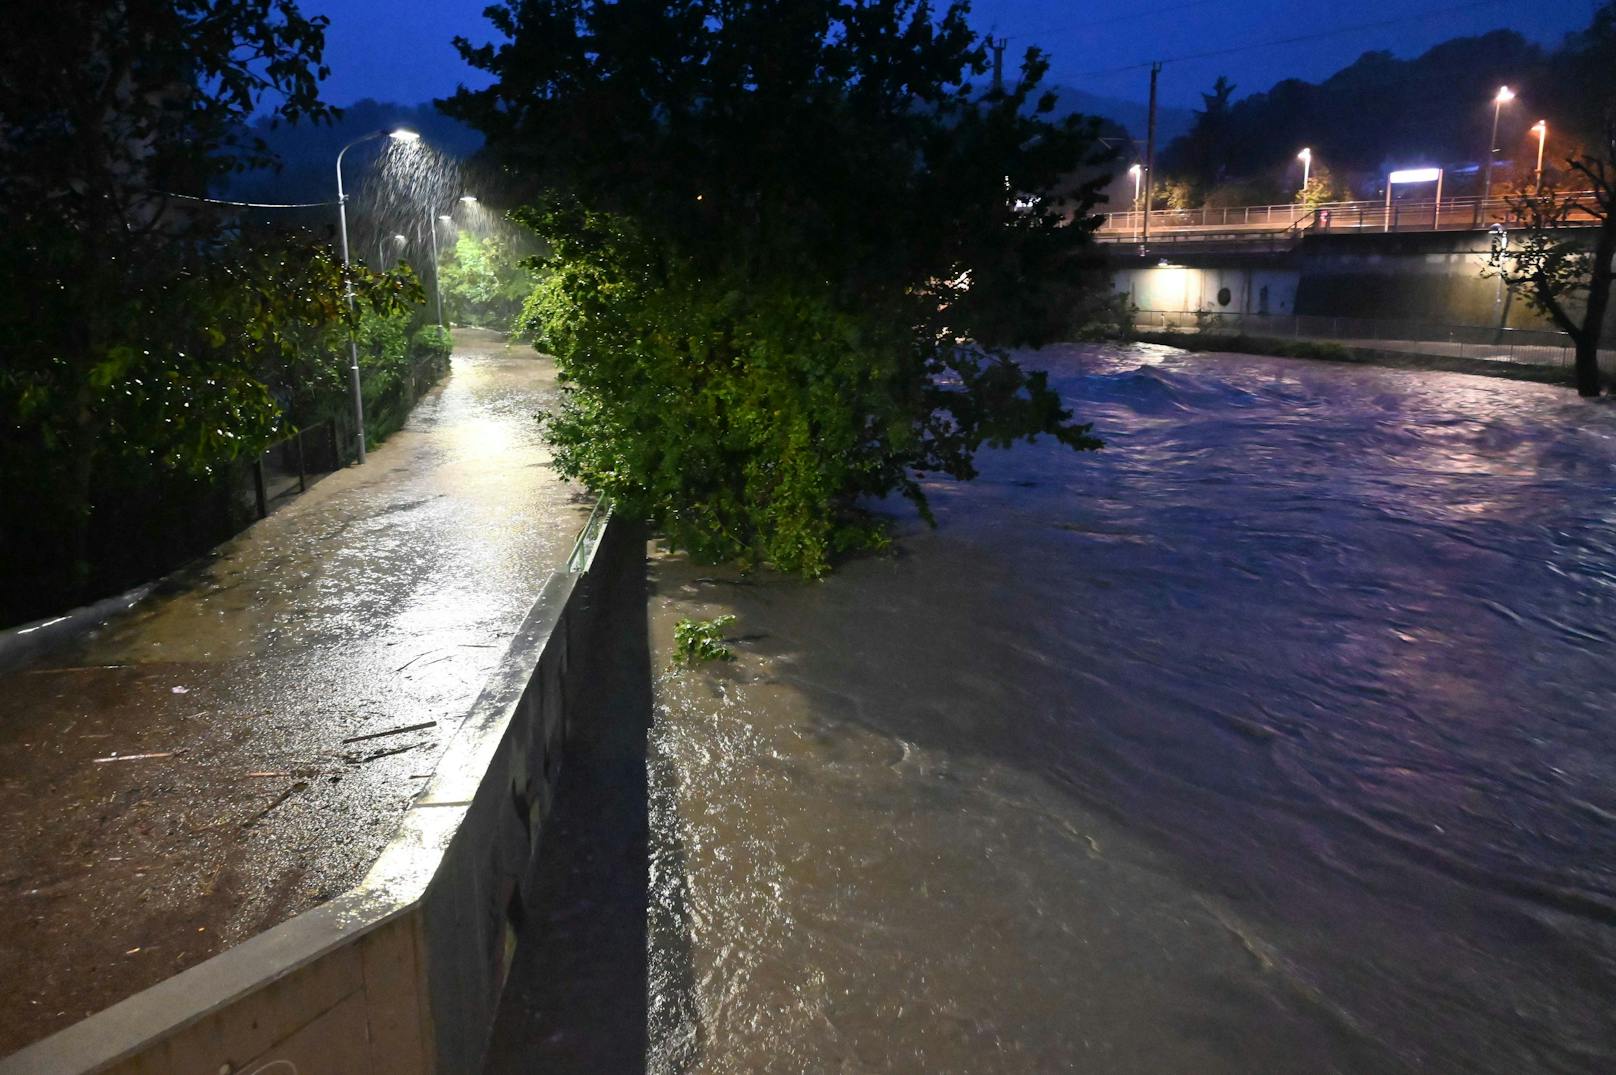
(1276, 737)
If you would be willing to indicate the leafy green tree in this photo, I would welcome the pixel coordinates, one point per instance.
(125, 328)
(788, 241)
(485, 281)
(1320, 189)
(1173, 193)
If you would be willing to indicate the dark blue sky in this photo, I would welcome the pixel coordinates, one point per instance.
(400, 51)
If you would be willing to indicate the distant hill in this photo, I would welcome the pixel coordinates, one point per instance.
(1132, 116)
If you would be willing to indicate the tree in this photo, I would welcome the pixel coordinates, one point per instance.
(1320, 189)
(485, 281)
(1556, 262)
(788, 242)
(124, 329)
(1202, 155)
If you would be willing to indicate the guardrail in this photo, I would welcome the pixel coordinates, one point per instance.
(403, 974)
(1538, 347)
(1450, 214)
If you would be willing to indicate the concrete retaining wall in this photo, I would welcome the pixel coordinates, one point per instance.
(404, 973)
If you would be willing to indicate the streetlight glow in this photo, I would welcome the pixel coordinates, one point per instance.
(399, 135)
(1505, 95)
(468, 199)
(1541, 129)
(1137, 171)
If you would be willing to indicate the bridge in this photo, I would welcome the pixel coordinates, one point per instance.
(1280, 227)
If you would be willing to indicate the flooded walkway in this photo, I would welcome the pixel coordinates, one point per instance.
(238, 747)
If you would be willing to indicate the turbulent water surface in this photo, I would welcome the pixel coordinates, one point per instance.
(1277, 737)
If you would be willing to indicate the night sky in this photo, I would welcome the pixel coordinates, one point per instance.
(401, 52)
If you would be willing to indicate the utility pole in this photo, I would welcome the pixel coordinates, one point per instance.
(998, 62)
(1150, 157)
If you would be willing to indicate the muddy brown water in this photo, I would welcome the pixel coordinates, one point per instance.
(1278, 737)
(377, 601)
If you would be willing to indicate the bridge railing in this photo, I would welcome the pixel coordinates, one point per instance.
(1450, 214)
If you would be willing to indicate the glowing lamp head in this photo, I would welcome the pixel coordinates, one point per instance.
(1414, 175)
(468, 199)
(1540, 128)
(1505, 95)
(1135, 171)
(405, 136)
(1305, 155)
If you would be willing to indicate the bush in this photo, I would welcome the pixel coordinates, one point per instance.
(432, 342)
(701, 640)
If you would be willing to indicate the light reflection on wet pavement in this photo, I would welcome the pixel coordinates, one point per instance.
(377, 601)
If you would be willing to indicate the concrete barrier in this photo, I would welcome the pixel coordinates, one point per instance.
(403, 974)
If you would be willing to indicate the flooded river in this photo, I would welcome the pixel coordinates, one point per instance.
(1277, 737)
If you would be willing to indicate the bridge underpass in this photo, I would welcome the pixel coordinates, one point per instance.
(1405, 287)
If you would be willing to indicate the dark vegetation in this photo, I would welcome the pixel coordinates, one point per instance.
(1380, 112)
(1563, 269)
(150, 346)
(786, 244)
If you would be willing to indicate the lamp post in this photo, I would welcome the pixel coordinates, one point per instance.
(1306, 157)
(1504, 96)
(1138, 173)
(381, 248)
(1541, 129)
(437, 288)
(400, 135)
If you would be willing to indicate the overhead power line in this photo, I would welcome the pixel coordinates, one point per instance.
(244, 205)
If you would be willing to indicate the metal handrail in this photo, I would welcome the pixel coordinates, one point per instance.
(602, 511)
(1254, 217)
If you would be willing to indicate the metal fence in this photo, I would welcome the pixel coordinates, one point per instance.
(1537, 347)
(285, 467)
(1449, 214)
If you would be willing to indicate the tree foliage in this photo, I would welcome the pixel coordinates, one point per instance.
(1560, 266)
(485, 281)
(785, 246)
(133, 331)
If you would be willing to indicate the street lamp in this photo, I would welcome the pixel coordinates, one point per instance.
(1541, 129)
(399, 135)
(1306, 157)
(381, 248)
(1138, 173)
(1505, 95)
(1415, 175)
(437, 288)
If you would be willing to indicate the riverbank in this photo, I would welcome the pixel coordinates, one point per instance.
(239, 746)
(1332, 351)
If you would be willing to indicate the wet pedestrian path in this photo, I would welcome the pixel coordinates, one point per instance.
(238, 747)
